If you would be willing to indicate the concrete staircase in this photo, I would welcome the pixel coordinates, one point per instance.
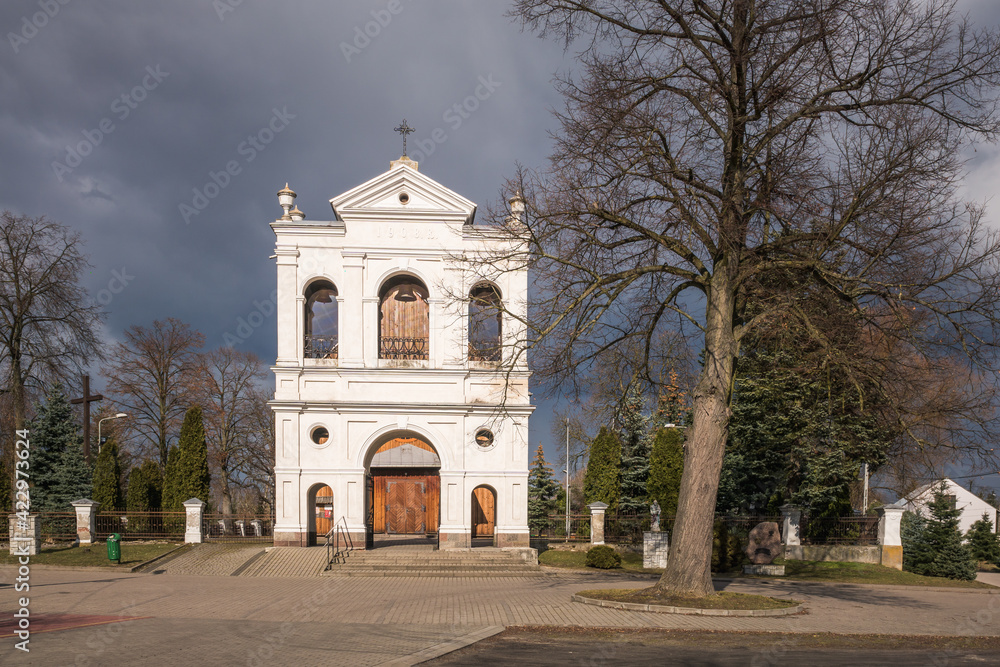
(416, 561)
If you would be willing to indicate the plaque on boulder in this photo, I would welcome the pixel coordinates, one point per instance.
(765, 543)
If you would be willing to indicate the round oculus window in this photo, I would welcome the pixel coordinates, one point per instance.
(320, 435)
(484, 438)
(404, 198)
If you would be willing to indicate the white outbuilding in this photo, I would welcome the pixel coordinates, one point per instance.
(401, 395)
(973, 507)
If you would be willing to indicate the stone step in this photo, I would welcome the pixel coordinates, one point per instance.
(443, 566)
(451, 574)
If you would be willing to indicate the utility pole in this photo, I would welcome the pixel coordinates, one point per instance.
(567, 479)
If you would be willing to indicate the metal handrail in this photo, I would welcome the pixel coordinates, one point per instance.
(335, 553)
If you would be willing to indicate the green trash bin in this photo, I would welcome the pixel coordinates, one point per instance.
(115, 547)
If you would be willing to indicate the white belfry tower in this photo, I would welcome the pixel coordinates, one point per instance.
(396, 416)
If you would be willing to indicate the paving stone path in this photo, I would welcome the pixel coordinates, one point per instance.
(260, 619)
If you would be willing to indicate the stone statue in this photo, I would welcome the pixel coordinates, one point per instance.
(654, 511)
(764, 543)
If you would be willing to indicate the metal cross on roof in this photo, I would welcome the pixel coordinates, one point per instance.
(404, 130)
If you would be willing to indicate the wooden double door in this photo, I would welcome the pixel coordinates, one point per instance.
(405, 503)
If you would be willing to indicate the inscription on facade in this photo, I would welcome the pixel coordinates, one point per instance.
(404, 232)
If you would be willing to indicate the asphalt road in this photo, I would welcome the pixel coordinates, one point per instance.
(573, 647)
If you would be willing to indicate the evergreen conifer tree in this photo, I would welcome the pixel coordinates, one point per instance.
(601, 483)
(107, 477)
(59, 472)
(634, 496)
(913, 534)
(172, 500)
(983, 542)
(951, 558)
(542, 492)
(666, 464)
(145, 483)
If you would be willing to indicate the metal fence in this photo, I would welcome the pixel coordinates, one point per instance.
(555, 528)
(627, 529)
(58, 526)
(140, 525)
(845, 530)
(237, 528)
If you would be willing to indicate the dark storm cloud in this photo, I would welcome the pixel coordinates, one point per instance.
(342, 74)
(121, 118)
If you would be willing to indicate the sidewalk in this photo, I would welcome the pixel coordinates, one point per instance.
(370, 621)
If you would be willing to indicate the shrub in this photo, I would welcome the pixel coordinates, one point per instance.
(603, 557)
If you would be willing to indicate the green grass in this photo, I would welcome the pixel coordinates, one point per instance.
(859, 573)
(797, 570)
(94, 555)
(723, 600)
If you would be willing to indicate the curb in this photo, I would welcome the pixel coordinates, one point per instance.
(156, 559)
(843, 584)
(691, 611)
(444, 648)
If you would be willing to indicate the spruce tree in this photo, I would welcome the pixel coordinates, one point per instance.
(633, 496)
(913, 534)
(602, 479)
(666, 464)
(983, 542)
(107, 477)
(542, 492)
(951, 558)
(59, 473)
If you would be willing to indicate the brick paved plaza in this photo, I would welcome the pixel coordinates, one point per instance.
(189, 619)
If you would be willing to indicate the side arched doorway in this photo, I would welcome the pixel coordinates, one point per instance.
(404, 491)
(321, 517)
(484, 514)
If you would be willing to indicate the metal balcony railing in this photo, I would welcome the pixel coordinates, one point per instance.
(321, 347)
(392, 347)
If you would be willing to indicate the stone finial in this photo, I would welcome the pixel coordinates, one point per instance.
(296, 214)
(286, 199)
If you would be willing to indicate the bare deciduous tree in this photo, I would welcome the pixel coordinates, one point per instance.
(228, 380)
(709, 144)
(154, 378)
(48, 323)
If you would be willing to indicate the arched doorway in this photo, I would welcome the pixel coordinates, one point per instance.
(321, 517)
(484, 515)
(404, 491)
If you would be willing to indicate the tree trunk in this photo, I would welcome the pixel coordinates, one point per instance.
(689, 564)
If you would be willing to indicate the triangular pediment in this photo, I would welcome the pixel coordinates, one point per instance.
(403, 193)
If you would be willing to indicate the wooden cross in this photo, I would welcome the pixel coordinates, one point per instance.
(86, 401)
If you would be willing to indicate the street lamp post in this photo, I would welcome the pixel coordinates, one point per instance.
(120, 415)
